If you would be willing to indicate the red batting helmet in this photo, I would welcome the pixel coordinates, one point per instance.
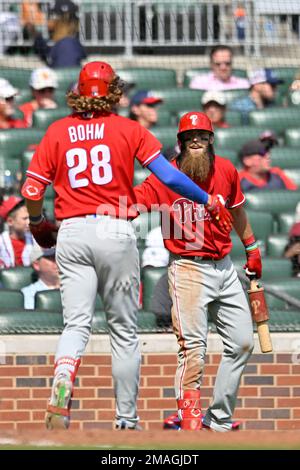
(94, 79)
(194, 120)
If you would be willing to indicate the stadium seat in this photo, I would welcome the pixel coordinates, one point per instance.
(286, 157)
(284, 320)
(292, 137)
(30, 322)
(50, 193)
(66, 76)
(11, 299)
(176, 99)
(276, 244)
(48, 206)
(13, 142)
(238, 250)
(234, 118)
(99, 322)
(166, 135)
(294, 175)
(261, 223)
(26, 159)
(18, 77)
(60, 98)
(274, 202)
(278, 119)
(51, 300)
(140, 174)
(146, 321)
(11, 164)
(230, 154)
(273, 268)
(288, 286)
(287, 74)
(285, 220)
(48, 300)
(146, 78)
(150, 277)
(191, 73)
(42, 118)
(24, 95)
(235, 137)
(16, 278)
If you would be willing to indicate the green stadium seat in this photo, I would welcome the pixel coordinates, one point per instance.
(10, 164)
(42, 118)
(273, 268)
(140, 174)
(66, 77)
(234, 118)
(48, 300)
(230, 154)
(23, 96)
(16, 278)
(150, 277)
(235, 137)
(276, 244)
(166, 135)
(18, 77)
(30, 322)
(288, 286)
(99, 322)
(11, 299)
(176, 99)
(292, 137)
(146, 78)
(285, 221)
(48, 206)
(262, 224)
(273, 202)
(232, 95)
(287, 74)
(284, 320)
(13, 142)
(51, 300)
(50, 193)
(146, 321)
(26, 159)
(294, 175)
(60, 98)
(278, 119)
(165, 118)
(191, 73)
(286, 157)
(293, 98)
(238, 250)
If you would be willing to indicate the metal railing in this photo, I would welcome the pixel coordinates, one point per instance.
(131, 24)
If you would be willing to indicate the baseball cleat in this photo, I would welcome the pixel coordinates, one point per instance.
(172, 422)
(123, 424)
(58, 409)
(234, 426)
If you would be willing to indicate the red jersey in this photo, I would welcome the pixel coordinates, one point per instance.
(18, 247)
(14, 124)
(187, 227)
(28, 110)
(91, 164)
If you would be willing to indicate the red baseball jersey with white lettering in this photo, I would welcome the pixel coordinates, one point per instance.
(91, 164)
(187, 227)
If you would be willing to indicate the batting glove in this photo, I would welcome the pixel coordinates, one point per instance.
(253, 267)
(219, 213)
(44, 232)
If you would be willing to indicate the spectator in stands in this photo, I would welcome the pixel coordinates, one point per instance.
(125, 100)
(262, 94)
(143, 108)
(220, 77)
(214, 106)
(63, 26)
(16, 241)
(7, 106)
(257, 173)
(292, 249)
(44, 264)
(31, 16)
(43, 82)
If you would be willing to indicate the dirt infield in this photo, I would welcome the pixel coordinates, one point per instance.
(122, 440)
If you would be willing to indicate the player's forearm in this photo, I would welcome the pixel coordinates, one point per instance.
(241, 223)
(34, 207)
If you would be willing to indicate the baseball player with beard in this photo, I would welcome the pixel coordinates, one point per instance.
(89, 158)
(202, 279)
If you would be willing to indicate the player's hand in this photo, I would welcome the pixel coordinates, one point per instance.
(44, 233)
(219, 213)
(253, 267)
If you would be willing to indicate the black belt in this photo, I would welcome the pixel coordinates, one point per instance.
(193, 258)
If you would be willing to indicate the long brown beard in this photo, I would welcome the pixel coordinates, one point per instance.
(197, 167)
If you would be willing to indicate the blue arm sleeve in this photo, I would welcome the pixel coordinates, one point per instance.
(176, 180)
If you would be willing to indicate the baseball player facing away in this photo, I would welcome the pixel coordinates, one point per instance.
(202, 278)
(89, 158)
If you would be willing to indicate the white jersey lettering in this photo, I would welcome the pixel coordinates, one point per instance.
(86, 131)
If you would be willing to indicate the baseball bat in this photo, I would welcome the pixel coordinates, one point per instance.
(260, 315)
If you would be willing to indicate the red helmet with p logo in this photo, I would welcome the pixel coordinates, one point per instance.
(94, 79)
(194, 121)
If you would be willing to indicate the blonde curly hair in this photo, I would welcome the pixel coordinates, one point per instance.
(103, 104)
